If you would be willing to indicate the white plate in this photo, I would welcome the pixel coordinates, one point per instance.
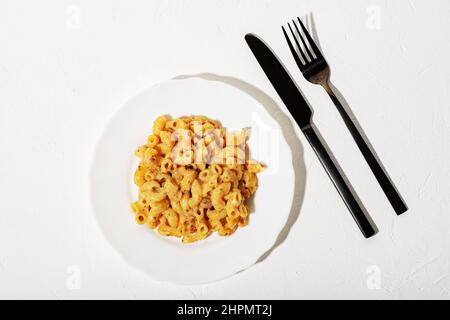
(112, 189)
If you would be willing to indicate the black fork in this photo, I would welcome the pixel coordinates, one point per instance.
(315, 69)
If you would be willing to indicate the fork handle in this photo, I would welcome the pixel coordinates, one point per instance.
(386, 184)
(339, 182)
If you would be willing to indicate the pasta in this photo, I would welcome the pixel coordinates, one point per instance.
(193, 179)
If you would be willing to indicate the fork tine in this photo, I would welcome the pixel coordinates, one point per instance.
(310, 40)
(298, 45)
(291, 47)
(303, 41)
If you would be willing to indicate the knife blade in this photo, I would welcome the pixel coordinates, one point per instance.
(281, 81)
(302, 114)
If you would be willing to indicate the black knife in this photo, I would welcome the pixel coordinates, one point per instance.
(302, 113)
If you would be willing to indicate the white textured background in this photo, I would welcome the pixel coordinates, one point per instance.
(67, 66)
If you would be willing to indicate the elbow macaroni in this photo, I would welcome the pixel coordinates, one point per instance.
(193, 179)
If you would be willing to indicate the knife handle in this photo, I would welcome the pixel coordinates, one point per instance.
(339, 182)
